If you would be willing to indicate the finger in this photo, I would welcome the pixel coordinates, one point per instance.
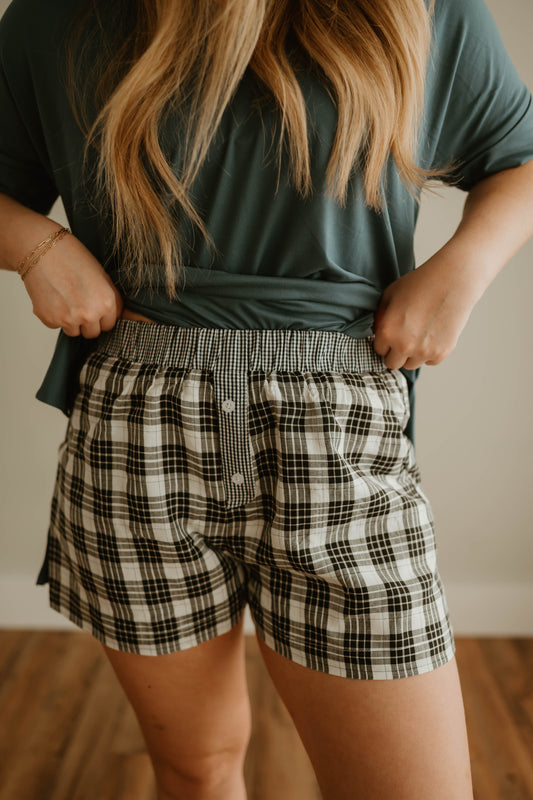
(90, 330)
(413, 363)
(108, 320)
(395, 359)
(71, 330)
(112, 309)
(381, 346)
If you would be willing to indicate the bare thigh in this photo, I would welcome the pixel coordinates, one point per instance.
(400, 739)
(193, 706)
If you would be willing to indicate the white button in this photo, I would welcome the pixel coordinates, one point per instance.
(237, 478)
(228, 405)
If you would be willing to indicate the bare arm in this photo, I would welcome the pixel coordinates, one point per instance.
(426, 310)
(21, 230)
(68, 286)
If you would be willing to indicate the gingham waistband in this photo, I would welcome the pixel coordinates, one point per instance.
(230, 354)
(220, 349)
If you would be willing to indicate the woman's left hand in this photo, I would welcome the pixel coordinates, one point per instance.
(422, 314)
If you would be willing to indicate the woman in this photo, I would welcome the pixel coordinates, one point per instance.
(240, 337)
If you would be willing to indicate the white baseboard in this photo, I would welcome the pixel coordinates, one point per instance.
(491, 609)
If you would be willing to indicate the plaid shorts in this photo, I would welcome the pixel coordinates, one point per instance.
(206, 469)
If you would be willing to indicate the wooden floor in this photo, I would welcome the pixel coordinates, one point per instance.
(67, 731)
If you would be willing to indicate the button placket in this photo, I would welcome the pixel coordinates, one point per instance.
(237, 457)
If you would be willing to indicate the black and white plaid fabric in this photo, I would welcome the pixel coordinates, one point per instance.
(204, 469)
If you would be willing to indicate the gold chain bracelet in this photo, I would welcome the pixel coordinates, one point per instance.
(30, 260)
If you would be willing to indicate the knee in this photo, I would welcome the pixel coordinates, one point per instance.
(202, 777)
(201, 780)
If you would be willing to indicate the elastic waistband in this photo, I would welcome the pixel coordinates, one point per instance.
(219, 349)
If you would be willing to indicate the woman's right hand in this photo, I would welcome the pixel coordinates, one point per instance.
(70, 289)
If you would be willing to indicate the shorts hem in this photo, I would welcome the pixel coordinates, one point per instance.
(366, 672)
(163, 648)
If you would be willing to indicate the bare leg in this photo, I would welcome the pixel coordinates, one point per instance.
(194, 712)
(402, 739)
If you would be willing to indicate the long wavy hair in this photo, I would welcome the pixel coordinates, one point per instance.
(138, 60)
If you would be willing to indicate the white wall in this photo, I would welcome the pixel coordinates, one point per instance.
(474, 430)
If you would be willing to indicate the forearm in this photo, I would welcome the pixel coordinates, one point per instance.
(21, 229)
(423, 312)
(497, 221)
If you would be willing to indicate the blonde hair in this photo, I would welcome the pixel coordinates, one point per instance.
(159, 56)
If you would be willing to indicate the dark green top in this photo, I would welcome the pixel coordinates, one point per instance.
(283, 262)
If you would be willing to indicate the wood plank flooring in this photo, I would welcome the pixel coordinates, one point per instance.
(67, 731)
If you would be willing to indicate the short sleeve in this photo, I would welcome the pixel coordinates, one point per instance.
(479, 113)
(25, 171)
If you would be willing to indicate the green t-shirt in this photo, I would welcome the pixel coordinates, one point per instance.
(283, 262)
